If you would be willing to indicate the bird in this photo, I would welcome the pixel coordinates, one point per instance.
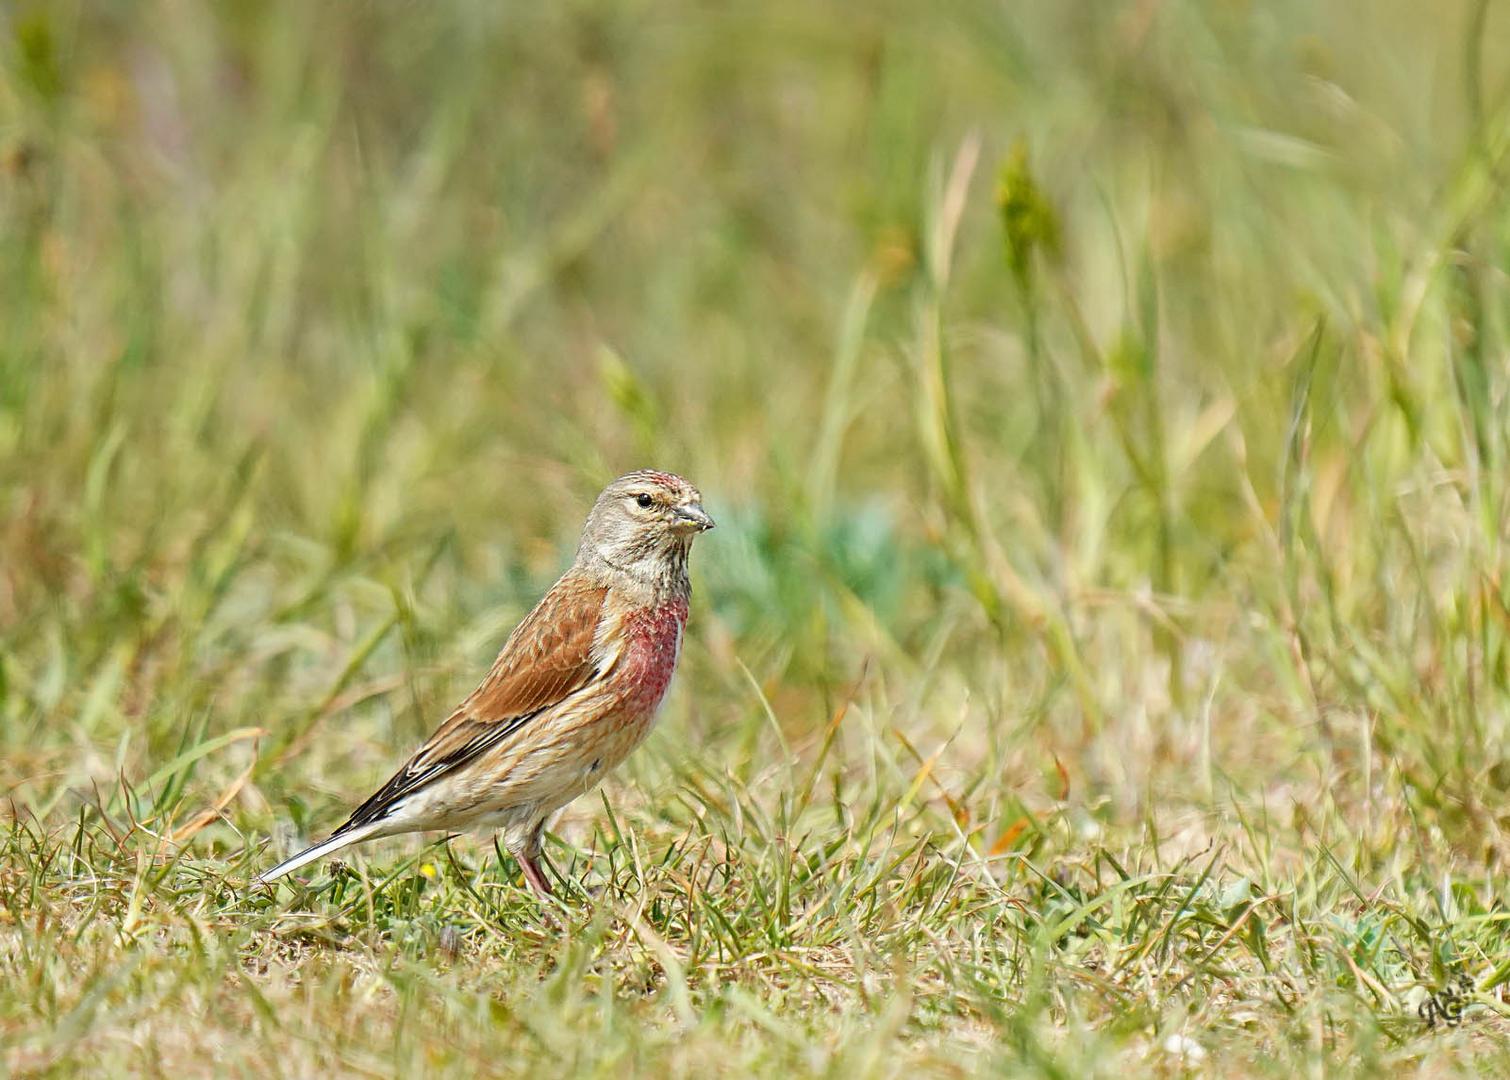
(574, 690)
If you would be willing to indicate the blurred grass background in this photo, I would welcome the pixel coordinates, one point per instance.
(1101, 660)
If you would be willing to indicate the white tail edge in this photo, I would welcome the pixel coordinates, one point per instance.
(318, 851)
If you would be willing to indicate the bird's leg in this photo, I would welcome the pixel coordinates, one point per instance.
(536, 880)
(528, 855)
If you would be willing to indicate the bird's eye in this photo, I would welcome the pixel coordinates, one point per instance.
(645, 501)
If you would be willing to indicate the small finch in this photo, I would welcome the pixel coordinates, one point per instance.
(573, 691)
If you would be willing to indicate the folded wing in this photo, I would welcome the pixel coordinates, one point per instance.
(547, 658)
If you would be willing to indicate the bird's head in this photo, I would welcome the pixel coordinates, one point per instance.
(643, 525)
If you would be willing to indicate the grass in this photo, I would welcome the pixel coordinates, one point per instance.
(1102, 665)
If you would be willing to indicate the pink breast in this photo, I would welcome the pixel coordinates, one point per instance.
(655, 640)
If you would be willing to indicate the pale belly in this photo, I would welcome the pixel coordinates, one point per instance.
(566, 752)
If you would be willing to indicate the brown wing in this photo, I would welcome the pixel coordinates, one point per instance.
(545, 659)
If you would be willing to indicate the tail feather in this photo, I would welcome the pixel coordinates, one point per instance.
(342, 838)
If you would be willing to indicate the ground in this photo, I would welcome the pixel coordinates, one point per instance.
(1099, 669)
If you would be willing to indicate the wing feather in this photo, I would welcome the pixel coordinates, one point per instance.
(548, 657)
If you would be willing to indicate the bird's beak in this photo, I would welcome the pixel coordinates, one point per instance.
(692, 518)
